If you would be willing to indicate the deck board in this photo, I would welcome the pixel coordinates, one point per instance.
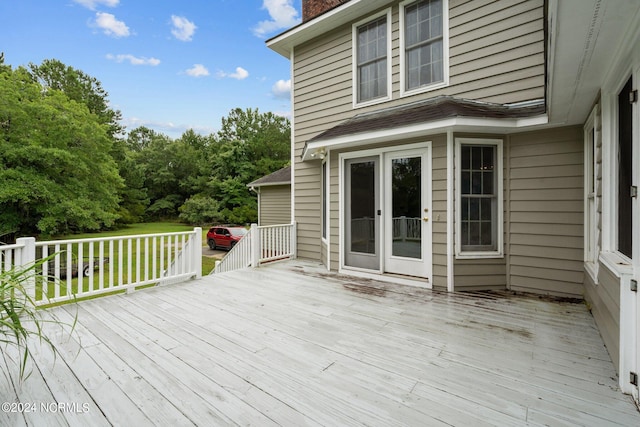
(292, 344)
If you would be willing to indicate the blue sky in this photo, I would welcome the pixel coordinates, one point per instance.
(167, 65)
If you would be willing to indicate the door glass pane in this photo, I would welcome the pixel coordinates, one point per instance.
(406, 207)
(363, 210)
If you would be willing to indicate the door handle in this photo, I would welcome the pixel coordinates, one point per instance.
(425, 219)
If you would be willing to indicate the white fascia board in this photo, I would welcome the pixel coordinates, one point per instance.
(456, 124)
(270, 184)
(344, 14)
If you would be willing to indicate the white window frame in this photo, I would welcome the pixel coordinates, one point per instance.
(445, 52)
(592, 150)
(499, 252)
(324, 200)
(355, 81)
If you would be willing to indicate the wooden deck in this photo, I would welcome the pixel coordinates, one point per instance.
(290, 344)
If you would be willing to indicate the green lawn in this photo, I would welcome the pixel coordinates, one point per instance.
(118, 262)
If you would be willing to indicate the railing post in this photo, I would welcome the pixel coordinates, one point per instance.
(27, 258)
(197, 252)
(294, 249)
(255, 245)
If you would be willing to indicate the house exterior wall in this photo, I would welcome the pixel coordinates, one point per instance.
(496, 54)
(604, 302)
(275, 205)
(545, 205)
(543, 218)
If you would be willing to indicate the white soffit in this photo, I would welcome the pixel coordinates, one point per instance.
(586, 38)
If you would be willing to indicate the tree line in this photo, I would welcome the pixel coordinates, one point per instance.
(68, 165)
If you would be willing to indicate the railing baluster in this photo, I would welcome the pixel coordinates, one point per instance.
(111, 262)
(101, 262)
(129, 260)
(120, 261)
(91, 266)
(146, 259)
(137, 260)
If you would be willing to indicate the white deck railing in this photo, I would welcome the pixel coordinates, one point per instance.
(261, 244)
(78, 268)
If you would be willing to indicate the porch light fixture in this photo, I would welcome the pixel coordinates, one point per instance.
(320, 153)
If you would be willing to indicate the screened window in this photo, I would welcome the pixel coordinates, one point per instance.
(372, 60)
(479, 197)
(625, 166)
(423, 43)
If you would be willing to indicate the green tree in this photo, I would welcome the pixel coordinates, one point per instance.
(248, 146)
(80, 87)
(56, 169)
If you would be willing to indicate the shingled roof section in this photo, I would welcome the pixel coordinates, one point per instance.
(279, 177)
(434, 109)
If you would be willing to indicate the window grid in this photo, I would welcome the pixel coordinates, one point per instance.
(478, 205)
(372, 60)
(424, 45)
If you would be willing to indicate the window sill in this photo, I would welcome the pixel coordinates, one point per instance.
(371, 102)
(618, 264)
(424, 89)
(479, 255)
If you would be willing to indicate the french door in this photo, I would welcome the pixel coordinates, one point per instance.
(407, 235)
(362, 212)
(386, 213)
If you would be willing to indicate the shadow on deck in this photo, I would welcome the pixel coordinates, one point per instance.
(292, 344)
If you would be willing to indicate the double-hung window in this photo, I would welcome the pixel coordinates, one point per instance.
(424, 42)
(372, 64)
(479, 197)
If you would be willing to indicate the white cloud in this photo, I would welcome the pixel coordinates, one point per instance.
(183, 29)
(198, 70)
(134, 60)
(239, 74)
(111, 26)
(282, 89)
(91, 4)
(282, 13)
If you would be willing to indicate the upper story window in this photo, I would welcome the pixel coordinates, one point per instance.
(372, 64)
(424, 45)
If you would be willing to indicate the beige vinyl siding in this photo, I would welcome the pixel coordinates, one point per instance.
(334, 214)
(275, 204)
(497, 50)
(545, 204)
(307, 209)
(480, 274)
(439, 211)
(604, 301)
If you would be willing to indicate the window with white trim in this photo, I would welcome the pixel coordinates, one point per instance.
(479, 197)
(372, 66)
(424, 56)
(591, 183)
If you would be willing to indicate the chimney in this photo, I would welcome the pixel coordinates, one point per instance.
(313, 8)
